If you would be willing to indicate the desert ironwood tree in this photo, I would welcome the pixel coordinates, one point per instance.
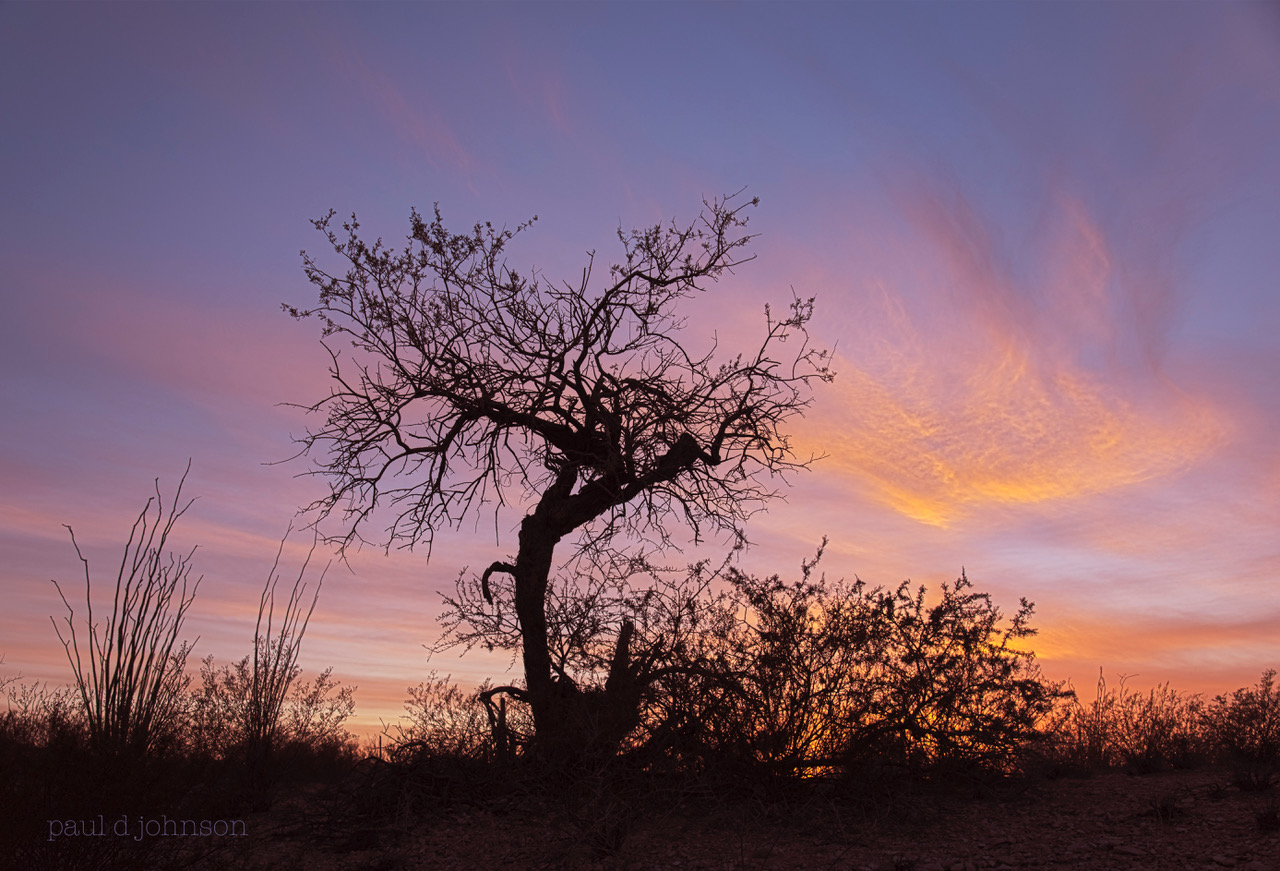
(458, 381)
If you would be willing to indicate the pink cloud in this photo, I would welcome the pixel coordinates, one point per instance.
(415, 122)
(968, 383)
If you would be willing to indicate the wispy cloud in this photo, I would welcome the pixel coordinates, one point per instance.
(415, 121)
(975, 380)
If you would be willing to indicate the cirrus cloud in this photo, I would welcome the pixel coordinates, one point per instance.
(977, 380)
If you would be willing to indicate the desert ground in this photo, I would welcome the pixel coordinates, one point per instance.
(1109, 820)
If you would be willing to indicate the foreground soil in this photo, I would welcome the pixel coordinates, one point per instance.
(1176, 820)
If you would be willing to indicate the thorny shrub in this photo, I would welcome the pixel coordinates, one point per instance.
(812, 677)
(1245, 727)
(37, 716)
(443, 720)
(792, 678)
(312, 716)
(1142, 733)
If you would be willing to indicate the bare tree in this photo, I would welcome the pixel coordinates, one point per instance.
(466, 382)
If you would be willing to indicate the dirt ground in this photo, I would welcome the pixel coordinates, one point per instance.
(1177, 820)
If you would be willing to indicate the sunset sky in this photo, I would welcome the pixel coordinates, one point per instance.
(1042, 238)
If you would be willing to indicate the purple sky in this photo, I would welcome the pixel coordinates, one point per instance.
(1042, 239)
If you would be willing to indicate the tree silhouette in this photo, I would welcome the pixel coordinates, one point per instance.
(466, 382)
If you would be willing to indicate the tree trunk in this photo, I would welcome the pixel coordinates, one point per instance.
(572, 726)
(532, 571)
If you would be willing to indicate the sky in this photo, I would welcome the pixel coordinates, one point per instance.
(1041, 238)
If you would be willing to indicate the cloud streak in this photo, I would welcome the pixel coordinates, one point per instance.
(414, 121)
(975, 381)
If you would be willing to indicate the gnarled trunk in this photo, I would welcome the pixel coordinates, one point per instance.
(572, 725)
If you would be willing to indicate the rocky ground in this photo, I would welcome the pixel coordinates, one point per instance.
(1176, 820)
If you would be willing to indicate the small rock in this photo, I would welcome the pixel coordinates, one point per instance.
(930, 866)
(1128, 850)
(1224, 861)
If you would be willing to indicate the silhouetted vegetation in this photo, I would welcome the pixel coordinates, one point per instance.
(1141, 733)
(132, 740)
(240, 710)
(780, 693)
(643, 685)
(793, 679)
(460, 381)
(1244, 727)
(130, 676)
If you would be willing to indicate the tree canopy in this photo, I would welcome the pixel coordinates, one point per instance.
(462, 381)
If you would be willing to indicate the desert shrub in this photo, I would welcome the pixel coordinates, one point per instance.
(811, 677)
(768, 674)
(1245, 730)
(443, 721)
(249, 709)
(1159, 730)
(947, 687)
(315, 713)
(1082, 735)
(1143, 733)
(741, 675)
(36, 716)
(221, 718)
(216, 710)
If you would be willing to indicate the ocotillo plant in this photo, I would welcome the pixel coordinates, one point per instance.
(275, 655)
(132, 684)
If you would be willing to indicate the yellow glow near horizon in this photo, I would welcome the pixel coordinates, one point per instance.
(997, 394)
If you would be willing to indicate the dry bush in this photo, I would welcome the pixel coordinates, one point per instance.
(36, 716)
(949, 688)
(312, 716)
(249, 709)
(784, 679)
(809, 677)
(1084, 735)
(443, 721)
(1143, 733)
(1245, 730)
(1161, 729)
(315, 713)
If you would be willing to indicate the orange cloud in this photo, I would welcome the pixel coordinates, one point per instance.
(967, 387)
(1201, 655)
